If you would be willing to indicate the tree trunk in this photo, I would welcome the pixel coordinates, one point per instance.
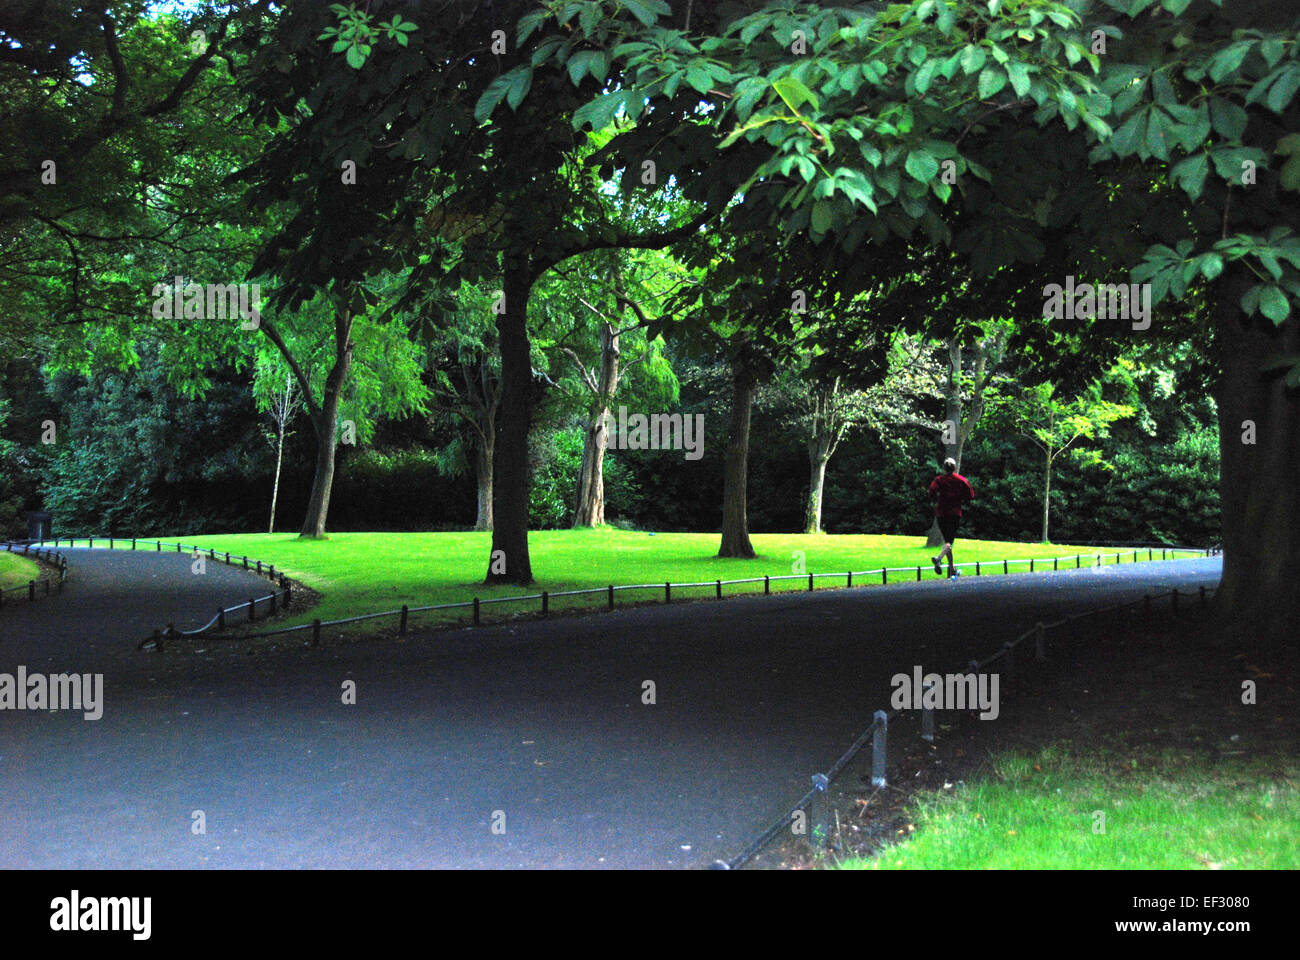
(483, 457)
(275, 487)
(735, 521)
(590, 508)
(326, 423)
(816, 483)
(509, 562)
(1047, 490)
(1257, 597)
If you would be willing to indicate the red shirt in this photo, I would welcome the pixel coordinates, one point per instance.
(953, 490)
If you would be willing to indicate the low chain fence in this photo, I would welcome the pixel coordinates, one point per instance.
(402, 615)
(224, 616)
(42, 587)
(814, 804)
(247, 612)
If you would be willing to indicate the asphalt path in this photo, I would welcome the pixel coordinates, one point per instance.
(537, 729)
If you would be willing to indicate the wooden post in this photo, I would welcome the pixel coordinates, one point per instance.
(401, 626)
(977, 568)
(668, 593)
(1078, 561)
(850, 583)
(611, 596)
(315, 633)
(1055, 567)
(273, 604)
(718, 586)
(767, 584)
(1031, 564)
(252, 610)
(810, 583)
(546, 603)
(133, 543)
(884, 575)
(918, 574)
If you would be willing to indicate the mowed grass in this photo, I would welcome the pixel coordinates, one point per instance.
(368, 572)
(1168, 811)
(16, 571)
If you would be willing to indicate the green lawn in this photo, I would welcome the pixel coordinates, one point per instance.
(1168, 812)
(16, 570)
(368, 572)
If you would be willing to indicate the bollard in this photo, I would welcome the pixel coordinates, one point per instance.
(90, 544)
(767, 584)
(110, 543)
(977, 568)
(918, 574)
(884, 575)
(252, 609)
(227, 558)
(850, 583)
(1117, 559)
(810, 583)
(401, 626)
(315, 633)
(245, 563)
(157, 546)
(718, 586)
(1040, 646)
(178, 548)
(476, 612)
(879, 738)
(133, 543)
(546, 603)
(1148, 553)
(1004, 567)
(611, 596)
(1031, 564)
(819, 818)
(668, 593)
(1054, 566)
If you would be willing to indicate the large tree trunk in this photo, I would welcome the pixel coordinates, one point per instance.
(590, 508)
(816, 484)
(325, 420)
(735, 521)
(1257, 596)
(509, 562)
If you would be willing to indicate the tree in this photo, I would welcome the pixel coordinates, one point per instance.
(280, 398)
(1054, 426)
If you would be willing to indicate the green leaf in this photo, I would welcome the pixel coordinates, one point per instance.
(1227, 118)
(1282, 91)
(925, 76)
(356, 59)
(1019, 77)
(795, 94)
(1226, 61)
(1211, 265)
(1190, 174)
(991, 81)
(1273, 303)
(641, 11)
(519, 87)
(972, 59)
(921, 165)
(822, 217)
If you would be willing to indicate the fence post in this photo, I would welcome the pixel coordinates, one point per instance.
(245, 563)
(157, 546)
(252, 609)
(668, 593)
(401, 626)
(884, 575)
(1031, 564)
(273, 604)
(879, 738)
(1040, 646)
(1148, 553)
(546, 603)
(850, 583)
(476, 612)
(287, 595)
(918, 574)
(259, 568)
(1054, 566)
(718, 586)
(110, 543)
(810, 582)
(611, 596)
(767, 584)
(315, 633)
(1162, 553)
(90, 545)
(133, 543)
(227, 558)
(1004, 567)
(977, 568)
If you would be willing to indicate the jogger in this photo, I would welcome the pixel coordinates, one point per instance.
(951, 491)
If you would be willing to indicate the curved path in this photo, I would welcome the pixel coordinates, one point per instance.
(541, 721)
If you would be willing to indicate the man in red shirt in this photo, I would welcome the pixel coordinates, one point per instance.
(951, 490)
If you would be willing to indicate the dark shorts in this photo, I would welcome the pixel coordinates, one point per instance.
(948, 527)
